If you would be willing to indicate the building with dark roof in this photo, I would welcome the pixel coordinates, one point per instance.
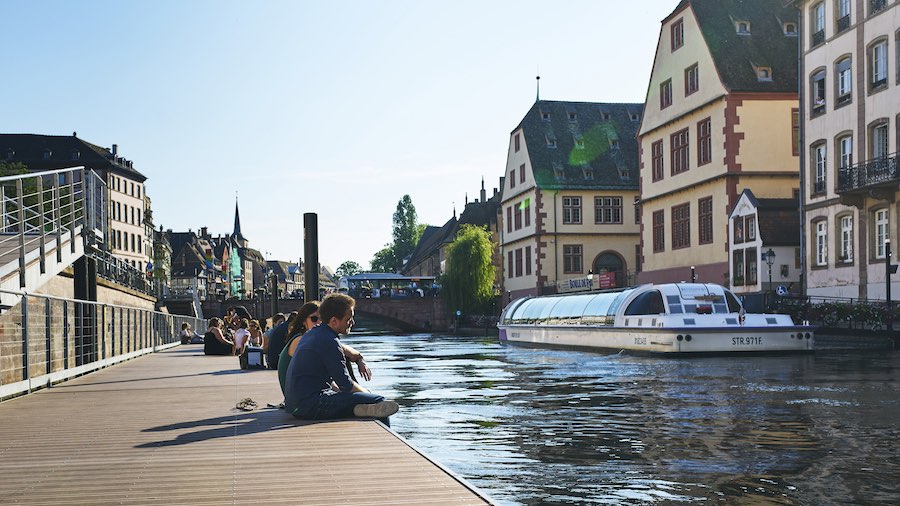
(850, 74)
(568, 196)
(720, 116)
(126, 236)
(760, 226)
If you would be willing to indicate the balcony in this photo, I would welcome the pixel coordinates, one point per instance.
(843, 23)
(869, 175)
(818, 37)
(818, 187)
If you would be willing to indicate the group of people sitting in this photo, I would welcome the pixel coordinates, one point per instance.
(314, 367)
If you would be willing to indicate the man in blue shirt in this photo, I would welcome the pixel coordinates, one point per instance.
(318, 386)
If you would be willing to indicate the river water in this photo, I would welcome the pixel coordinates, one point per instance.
(533, 426)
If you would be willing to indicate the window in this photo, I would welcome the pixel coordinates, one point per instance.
(691, 79)
(845, 150)
(878, 136)
(763, 74)
(742, 27)
(819, 168)
(607, 210)
(659, 239)
(842, 16)
(846, 252)
(790, 29)
(635, 117)
(572, 258)
(817, 23)
(527, 260)
(681, 226)
(821, 243)
(522, 173)
(558, 171)
(509, 222)
(517, 142)
(573, 116)
(876, 6)
(637, 258)
(518, 262)
(705, 223)
(588, 173)
(737, 225)
(881, 232)
(545, 116)
(737, 268)
(579, 142)
(518, 216)
(46, 154)
(750, 227)
(526, 210)
(751, 260)
(510, 269)
(75, 154)
(878, 65)
(844, 85)
(704, 141)
(571, 210)
(795, 132)
(551, 142)
(665, 94)
(817, 83)
(139, 191)
(656, 150)
(512, 178)
(677, 34)
(680, 145)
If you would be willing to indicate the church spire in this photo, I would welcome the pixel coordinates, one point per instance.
(237, 223)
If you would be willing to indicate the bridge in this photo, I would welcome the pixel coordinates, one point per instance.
(409, 314)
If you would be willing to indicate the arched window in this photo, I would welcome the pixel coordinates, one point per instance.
(610, 262)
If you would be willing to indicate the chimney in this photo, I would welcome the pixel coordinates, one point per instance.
(115, 149)
(203, 232)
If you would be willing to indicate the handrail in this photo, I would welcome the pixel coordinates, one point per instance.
(62, 337)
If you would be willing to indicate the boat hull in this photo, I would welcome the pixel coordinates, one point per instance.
(665, 340)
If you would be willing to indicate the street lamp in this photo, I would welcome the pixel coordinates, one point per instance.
(590, 277)
(770, 259)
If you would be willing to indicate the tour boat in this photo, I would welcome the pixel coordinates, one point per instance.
(657, 318)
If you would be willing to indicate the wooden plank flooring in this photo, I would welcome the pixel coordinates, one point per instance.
(163, 429)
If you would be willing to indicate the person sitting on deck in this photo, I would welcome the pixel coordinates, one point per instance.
(256, 334)
(302, 321)
(214, 342)
(241, 336)
(276, 337)
(318, 361)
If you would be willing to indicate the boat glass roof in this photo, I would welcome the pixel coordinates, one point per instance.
(566, 306)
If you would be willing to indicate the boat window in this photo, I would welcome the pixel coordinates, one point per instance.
(733, 305)
(674, 304)
(511, 309)
(571, 306)
(547, 307)
(600, 304)
(646, 303)
(531, 309)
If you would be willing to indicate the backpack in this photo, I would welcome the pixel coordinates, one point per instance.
(253, 357)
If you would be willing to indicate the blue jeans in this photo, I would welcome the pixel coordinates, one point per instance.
(330, 404)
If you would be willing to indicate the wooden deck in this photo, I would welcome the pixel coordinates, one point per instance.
(163, 429)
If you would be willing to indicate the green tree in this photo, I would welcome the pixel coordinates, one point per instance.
(469, 280)
(405, 228)
(348, 268)
(383, 261)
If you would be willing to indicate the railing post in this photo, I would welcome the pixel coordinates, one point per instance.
(48, 321)
(25, 366)
(57, 217)
(20, 202)
(65, 333)
(41, 222)
(74, 222)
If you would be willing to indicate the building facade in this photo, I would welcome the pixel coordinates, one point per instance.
(567, 202)
(720, 117)
(851, 123)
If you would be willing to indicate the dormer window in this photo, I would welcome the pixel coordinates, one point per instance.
(551, 142)
(573, 116)
(743, 27)
(545, 116)
(624, 173)
(10, 154)
(790, 29)
(764, 73)
(635, 117)
(46, 154)
(614, 144)
(606, 116)
(579, 142)
(75, 155)
(558, 171)
(588, 173)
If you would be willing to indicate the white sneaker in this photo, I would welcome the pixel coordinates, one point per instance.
(381, 409)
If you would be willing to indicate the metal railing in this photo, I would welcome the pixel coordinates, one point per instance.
(121, 272)
(869, 172)
(46, 339)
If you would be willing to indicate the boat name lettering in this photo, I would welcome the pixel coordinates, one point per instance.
(746, 340)
(514, 334)
(640, 340)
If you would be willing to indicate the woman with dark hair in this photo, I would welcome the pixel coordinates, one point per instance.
(241, 336)
(214, 342)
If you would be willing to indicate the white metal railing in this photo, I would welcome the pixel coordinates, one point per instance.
(38, 210)
(46, 339)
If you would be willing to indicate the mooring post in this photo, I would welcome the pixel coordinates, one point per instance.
(311, 254)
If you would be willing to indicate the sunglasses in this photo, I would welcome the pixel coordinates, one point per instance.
(314, 318)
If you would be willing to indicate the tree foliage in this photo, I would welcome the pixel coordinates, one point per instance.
(348, 268)
(383, 261)
(469, 280)
(406, 232)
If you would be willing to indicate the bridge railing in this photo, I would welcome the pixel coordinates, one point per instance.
(46, 339)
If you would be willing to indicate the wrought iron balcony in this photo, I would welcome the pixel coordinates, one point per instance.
(868, 175)
(843, 23)
(818, 37)
(876, 6)
(818, 187)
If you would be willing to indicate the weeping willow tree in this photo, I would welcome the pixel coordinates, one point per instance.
(469, 280)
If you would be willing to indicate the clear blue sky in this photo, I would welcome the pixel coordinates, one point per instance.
(337, 108)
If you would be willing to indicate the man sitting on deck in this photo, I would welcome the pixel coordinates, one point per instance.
(319, 361)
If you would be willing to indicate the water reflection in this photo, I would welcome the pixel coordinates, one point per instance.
(535, 426)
